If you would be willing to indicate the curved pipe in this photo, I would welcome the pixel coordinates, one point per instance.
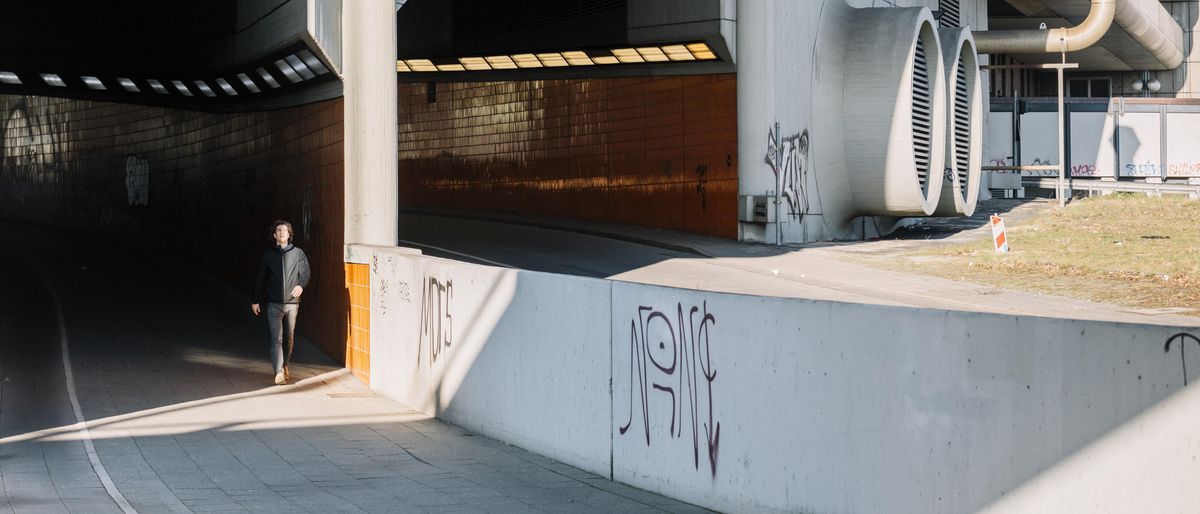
(1069, 39)
(1161, 38)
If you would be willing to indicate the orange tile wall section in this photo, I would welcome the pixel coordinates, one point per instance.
(358, 326)
(216, 180)
(652, 151)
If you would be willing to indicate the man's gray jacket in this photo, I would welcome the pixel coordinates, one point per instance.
(280, 271)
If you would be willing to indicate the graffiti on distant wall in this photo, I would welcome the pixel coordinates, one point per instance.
(1145, 169)
(137, 180)
(437, 324)
(1183, 338)
(1083, 170)
(701, 182)
(788, 160)
(32, 148)
(306, 214)
(1038, 161)
(1184, 169)
(672, 357)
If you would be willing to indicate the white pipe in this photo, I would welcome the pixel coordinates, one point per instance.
(1068, 39)
(1160, 36)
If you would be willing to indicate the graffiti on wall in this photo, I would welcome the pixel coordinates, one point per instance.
(672, 357)
(1182, 338)
(788, 160)
(1083, 170)
(1038, 161)
(32, 147)
(701, 182)
(1145, 169)
(306, 214)
(1184, 169)
(137, 180)
(437, 324)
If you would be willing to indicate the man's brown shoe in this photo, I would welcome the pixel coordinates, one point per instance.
(287, 375)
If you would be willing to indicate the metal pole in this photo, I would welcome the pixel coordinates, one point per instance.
(1062, 137)
(778, 184)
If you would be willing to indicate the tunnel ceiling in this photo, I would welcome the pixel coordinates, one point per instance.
(116, 51)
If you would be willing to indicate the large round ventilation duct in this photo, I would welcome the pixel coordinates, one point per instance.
(964, 134)
(894, 128)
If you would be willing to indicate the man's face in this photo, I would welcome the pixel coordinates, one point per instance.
(281, 235)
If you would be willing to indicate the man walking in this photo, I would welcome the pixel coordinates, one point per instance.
(283, 274)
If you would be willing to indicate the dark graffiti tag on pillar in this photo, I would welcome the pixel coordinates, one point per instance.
(1183, 338)
(437, 327)
(789, 163)
(673, 357)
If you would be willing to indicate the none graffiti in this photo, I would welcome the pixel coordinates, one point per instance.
(437, 324)
(673, 358)
(1183, 338)
(788, 160)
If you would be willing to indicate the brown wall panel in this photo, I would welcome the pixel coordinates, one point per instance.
(652, 151)
(213, 183)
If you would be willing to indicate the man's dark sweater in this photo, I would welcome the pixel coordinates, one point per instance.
(279, 272)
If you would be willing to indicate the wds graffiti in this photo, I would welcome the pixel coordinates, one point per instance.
(682, 363)
(437, 325)
(1145, 169)
(789, 163)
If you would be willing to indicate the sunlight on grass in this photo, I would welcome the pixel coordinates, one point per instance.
(1124, 249)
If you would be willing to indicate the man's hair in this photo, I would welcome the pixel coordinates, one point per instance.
(277, 223)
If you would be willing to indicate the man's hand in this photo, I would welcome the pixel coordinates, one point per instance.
(254, 308)
(296, 291)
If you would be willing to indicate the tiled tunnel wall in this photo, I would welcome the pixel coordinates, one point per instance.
(203, 185)
(652, 151)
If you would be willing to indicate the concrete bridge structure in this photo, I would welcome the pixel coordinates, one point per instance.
(700, 163)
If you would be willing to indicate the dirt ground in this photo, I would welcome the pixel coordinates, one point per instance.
(1130, 250)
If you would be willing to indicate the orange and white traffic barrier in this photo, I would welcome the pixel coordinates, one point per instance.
(998, 238)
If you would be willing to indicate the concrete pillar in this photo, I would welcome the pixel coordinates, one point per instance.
(370, 122)
(755, 107)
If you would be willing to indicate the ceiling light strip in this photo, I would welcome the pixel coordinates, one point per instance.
(643, 54)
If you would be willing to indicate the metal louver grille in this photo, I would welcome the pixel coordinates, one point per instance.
(950, 17)
(962, 125)
(922, 115)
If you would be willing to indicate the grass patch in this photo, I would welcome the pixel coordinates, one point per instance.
(1122, 249)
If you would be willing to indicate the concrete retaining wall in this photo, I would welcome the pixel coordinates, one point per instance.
(746, 403)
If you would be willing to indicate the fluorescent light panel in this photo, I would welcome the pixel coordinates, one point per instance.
(287, 71)
(224, 85)
(266, 76)
(527, 61)
(9, 77)
(158, 87)
(203, 87)
(312, 62)
(300, 67)
(93, 83)
(128, 85)
(248, 84)
(501, 62)
(552, 59)
(52, 80)
(183, 90)
(642, 54)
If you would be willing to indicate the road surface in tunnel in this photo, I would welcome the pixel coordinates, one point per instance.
(172, 374)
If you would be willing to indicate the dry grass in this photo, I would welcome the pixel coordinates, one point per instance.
(1121, 249)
